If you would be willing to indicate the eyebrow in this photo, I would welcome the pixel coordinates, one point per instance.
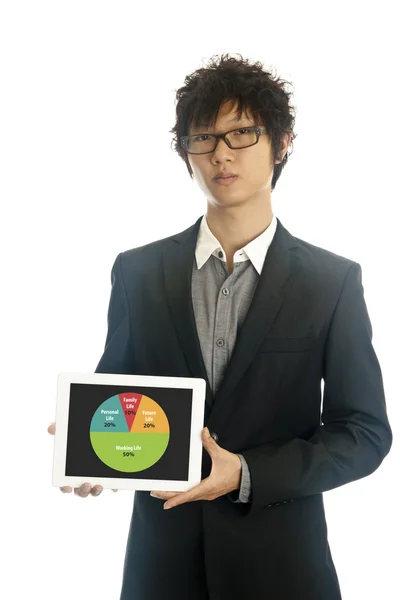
(229, 123)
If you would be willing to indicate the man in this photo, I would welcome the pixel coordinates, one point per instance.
(263, 317)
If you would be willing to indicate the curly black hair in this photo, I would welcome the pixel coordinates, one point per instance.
(256, 90)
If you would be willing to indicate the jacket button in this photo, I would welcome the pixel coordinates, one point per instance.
(214, 436)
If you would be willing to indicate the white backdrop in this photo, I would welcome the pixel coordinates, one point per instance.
(80, 81)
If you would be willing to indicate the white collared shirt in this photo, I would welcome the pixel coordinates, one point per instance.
(255, 251)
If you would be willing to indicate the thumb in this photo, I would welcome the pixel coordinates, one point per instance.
(208, 441)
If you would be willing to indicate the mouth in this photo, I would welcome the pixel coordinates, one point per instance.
(225, 180)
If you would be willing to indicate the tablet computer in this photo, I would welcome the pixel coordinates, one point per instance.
(135, 432)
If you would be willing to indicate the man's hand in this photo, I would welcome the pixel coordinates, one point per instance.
(86, 489)
(225, 476)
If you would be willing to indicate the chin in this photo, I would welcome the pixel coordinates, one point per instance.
(226, 202)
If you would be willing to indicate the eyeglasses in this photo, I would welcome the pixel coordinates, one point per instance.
(204, 143)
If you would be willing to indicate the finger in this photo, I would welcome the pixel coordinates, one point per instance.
(83, 491)
(52, 429)
(199, 492)
(96, 490)
(177, 500)
(164, 495)
(66, 489)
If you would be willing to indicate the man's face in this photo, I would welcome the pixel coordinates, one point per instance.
(252, 165)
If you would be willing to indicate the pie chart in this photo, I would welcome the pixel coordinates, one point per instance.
(129, 432)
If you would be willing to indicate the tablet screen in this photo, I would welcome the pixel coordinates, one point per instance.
(128, 432)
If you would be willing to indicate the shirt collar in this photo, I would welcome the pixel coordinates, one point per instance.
(255, 251)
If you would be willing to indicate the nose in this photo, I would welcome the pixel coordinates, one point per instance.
(222, 148)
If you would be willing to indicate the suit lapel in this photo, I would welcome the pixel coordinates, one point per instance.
(279, 270)
(178, 267)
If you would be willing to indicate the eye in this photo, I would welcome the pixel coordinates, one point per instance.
(197, 138)
(246, 130)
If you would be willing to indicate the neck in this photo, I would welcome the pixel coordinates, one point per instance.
(234, 227)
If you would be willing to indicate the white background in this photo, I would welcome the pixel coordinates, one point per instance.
(80, 82)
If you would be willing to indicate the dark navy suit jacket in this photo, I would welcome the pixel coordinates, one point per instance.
(307, 323)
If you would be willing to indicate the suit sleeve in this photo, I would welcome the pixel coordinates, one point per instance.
(118, 352)
(354, 435)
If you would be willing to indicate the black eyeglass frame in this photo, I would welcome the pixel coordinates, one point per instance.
(259, 129)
